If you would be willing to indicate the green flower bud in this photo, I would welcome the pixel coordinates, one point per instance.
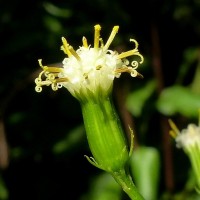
(105, 136)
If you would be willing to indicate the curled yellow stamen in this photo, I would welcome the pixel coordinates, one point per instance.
(132, 52)
(111, 37)
(51, 74)
(40, 63)
(41, 83)
(65, 47)
(85, 44)
(130, 70)
(50, 69)
(40, 76)
(38, 88)
(97, 29)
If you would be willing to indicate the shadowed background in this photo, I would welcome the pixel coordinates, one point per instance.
(42, 138)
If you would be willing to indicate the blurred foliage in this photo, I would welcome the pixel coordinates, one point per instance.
(44, 132)
(187, 105)
(103, 187)
(146, 171)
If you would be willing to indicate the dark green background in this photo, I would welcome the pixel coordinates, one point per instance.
(36, 123)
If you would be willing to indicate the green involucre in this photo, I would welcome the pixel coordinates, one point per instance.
(105, 135)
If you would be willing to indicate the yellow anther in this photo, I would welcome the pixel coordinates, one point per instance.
(49, 71)
(85, 44)
(65, 47)
(175, 131)
(61, 80)
(97, 29)
(173, 134)
(73, 52)
(54, 69)
(129, 70)
(123, 69)
(98, 67)
(85, 75)
(101, 42)
(111, 37)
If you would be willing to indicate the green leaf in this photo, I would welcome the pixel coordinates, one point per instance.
(104, 187)
(178, 99)
(4, 194)
(136, 100)
(56, 11)
(145, 167)
(72, 139)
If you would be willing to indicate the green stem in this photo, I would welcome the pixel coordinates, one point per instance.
(193, 154)
(125, 181)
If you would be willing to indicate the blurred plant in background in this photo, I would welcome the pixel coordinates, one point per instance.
(189, 140)
(40, 160)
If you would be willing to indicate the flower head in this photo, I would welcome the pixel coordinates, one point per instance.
(89, 70)
(187, 137)
(189, 140)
